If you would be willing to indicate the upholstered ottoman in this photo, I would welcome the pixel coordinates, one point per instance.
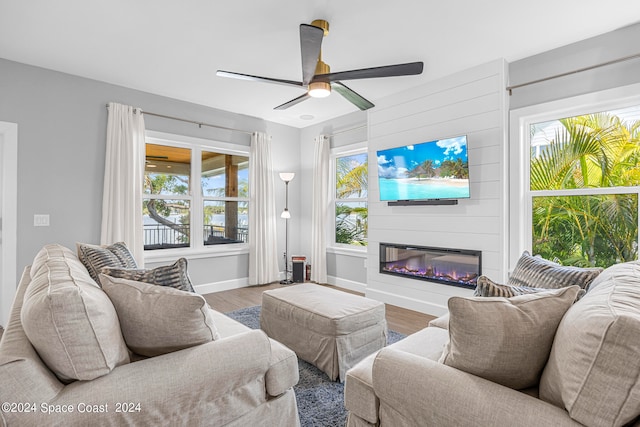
(330, 329)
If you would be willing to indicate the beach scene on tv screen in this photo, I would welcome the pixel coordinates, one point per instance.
(430, 170)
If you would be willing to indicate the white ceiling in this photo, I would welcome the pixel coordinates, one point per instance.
(173, 48)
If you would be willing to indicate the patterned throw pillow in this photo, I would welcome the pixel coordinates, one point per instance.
(537, 272)
(96, 257)
(487, 288)
(173, 276)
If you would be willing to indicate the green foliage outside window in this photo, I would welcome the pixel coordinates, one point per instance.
(351, 211)
(592, 151)
(161, 209)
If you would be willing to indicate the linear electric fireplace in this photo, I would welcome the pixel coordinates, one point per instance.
(457, 267)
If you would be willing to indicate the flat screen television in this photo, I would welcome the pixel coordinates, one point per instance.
(434, 170)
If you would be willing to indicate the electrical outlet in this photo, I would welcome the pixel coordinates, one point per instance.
(41, 220)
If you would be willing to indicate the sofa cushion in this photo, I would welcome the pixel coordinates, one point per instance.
(537, 272)
(157, 319)
(488, 288)
(69, 320)
(359, 397)
(440, 322)
(173, 276)
(594, 365)
(95, 257)
(505, 340)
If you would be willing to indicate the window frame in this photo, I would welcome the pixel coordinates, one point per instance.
(197, 247)
(521, 195)
(335, 153)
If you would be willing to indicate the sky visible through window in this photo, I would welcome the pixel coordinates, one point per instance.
(545, 132)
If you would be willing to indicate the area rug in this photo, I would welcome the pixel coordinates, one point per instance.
(320, 401)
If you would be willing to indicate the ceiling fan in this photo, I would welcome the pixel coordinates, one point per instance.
(316, 76)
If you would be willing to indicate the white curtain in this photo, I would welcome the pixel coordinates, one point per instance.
(263, 248)
(320, 210)
(123, 180)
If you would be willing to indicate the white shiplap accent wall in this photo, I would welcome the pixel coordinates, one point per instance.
(472, 102)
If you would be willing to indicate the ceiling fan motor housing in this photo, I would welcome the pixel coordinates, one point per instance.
(322, 67)
(318, 88)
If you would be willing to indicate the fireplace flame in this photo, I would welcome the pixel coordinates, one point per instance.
(431, 272)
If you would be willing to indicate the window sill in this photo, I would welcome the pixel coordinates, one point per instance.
(166, 255)
(360, 252)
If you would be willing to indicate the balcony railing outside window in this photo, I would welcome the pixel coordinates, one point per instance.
(158, 236)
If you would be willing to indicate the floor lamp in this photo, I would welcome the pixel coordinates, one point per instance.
(286, 177)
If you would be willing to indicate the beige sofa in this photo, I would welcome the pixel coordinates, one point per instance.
(590, 377)
(239, 378)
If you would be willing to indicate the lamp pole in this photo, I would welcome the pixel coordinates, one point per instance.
(286, 177)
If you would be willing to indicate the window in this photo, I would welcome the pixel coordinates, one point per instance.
(582, 186)
(194, 195)
(350, 198)
(225, 190)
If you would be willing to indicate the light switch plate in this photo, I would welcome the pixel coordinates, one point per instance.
(41, 220)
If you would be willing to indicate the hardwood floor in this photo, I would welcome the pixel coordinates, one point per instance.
(398, 319)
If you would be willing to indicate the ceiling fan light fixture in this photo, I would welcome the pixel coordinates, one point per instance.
(319, 89)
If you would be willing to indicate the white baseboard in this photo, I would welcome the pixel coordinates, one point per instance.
(226, 285)
(347, 284)
(408, 303)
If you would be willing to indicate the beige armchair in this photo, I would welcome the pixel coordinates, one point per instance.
(241, 378)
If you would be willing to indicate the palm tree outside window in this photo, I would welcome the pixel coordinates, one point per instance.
(351, 210)
(584, 179)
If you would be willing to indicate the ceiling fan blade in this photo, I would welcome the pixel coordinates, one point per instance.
(351, 96)
(310, 44)
(292, 102)
(408, 69)
(231, 74)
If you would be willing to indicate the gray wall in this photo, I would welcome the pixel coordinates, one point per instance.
(596, 50)
(61, 144)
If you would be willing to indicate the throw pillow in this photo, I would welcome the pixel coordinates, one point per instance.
(594, 369)
(157, 319)
(505, 340)
(537, 272)
(69, 320)
(96, 257)
(488, 288)
(173, 276)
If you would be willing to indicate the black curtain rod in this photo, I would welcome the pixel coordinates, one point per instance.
(579, 70)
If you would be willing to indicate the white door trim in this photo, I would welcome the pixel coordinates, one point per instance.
(9, 158)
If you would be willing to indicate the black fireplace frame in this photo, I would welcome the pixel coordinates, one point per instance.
(383, 262)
